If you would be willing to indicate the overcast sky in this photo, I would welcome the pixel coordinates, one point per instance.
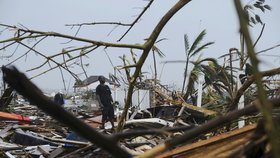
(218, 17)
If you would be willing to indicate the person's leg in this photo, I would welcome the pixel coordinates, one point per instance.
(111, 116)
(104, 118)
(102, 125)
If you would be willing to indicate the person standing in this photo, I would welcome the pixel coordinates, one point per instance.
(105, 100)
(58, 98)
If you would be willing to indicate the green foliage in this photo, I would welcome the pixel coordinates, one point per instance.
(250, 11)
(187, 46)
(196, 71)
(196, 42)
(157, 50)
(202, 47)
(192, 51)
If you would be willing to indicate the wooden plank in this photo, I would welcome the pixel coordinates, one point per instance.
(209, 142)
(67, 141)
(56, 152)
(202, 110)
(221, 149)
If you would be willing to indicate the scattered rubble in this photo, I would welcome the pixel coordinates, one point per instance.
(42, 129)
(29, 132)
(42, 136)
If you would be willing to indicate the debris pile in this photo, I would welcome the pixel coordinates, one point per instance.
(29, 132)
(41, 128)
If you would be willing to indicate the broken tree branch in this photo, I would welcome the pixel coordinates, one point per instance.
(135, 133)
(247, 83)
(210, 125)
(41, 54)
(137, 19)
(23, 86)
(55, 34)
(264, 106)
(260, 35)
(130, 25)
(146, 49)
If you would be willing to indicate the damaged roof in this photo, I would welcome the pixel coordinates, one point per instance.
(92, 79)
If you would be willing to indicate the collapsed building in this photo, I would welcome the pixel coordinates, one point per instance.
(40, 128)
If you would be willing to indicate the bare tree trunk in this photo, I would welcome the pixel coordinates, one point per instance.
(147, 47)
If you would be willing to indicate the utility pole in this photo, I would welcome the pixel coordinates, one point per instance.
(199, 91)
(241, 122)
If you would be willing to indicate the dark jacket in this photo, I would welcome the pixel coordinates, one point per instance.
(58, 98)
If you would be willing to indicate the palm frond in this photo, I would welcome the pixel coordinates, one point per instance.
(218, 84)
(217, 89)
(192, 80)
(162, 39)
(198, 39)
(187, 45)
(224, 77)
(125, 60)
(213, 61)
(209, 72)
(158, 51)
(201, 48)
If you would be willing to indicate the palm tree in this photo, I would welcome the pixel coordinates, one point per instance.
(194, 75)
(157, 51)
(193, 50)
(217, 78)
